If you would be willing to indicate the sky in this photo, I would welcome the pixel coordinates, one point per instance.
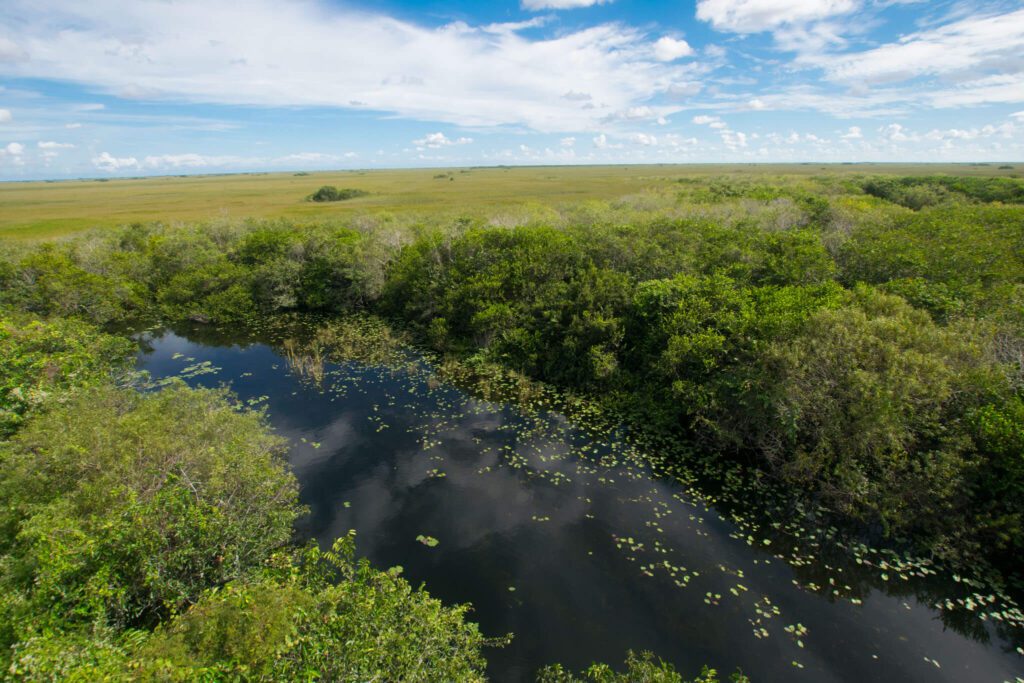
(155, 87)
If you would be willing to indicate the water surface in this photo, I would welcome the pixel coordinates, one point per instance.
(558, 536)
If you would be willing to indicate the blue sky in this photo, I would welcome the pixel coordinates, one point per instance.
(140, 87)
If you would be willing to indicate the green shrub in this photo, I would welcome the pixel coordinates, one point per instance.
(123, 507)
(917, 192)
(694, 343)
(639, 669)
(44, 361)
(867, 406)
(326, 615)
(48, 282)
(320, 615)
(946, 260)
(329, 193)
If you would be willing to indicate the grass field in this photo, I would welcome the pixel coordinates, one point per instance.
(41, 210)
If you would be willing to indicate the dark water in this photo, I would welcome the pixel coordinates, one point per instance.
(555, 536)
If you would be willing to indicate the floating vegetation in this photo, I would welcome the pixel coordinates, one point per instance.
(428, 541)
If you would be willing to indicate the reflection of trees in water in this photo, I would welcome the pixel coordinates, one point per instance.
(826, 552)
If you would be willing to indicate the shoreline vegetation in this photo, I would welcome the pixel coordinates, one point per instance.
(849, 348)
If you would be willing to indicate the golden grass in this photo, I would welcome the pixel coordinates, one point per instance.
(41, 210)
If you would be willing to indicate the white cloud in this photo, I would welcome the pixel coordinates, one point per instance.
(192, 160)
(438, 140)
(733, 139)
(669, 49)
(643, 139)
(952, 134)
(894, 132)
(1018, 115)
(567, 142)
(5, 116)
(704, 120)
(560, 4)
(673, 140)
(179, 161)
(969, 48)
(636, 113)
(601, 142)
(756, 104)
(105, 161)
(313, 53)
(72, 125)
(687, 89)
(14, 150)
(854, 133)
(50, 145)
(574, 96)
(10, 51)
(754, 16)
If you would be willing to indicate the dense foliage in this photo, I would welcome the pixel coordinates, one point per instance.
(145, 535)
(308, 615)
(44, 360)
(202, 272)
(639, 669)
(917, 192)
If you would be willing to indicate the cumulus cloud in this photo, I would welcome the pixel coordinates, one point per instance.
(312, 53)
(894, 132)
(754, 16)
(601, 142)
(669, 49)
(105, 161)
(535, 5)
(643, 139)
(5, 116)
(438, 140)
(734, 139)
(13, 152)
(854, 133)
(704, 120)
(567, 142)
(51, 145)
